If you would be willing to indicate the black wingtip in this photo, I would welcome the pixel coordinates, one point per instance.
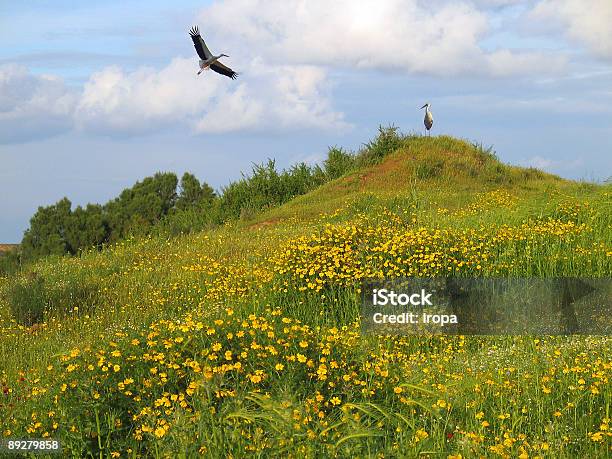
(194, 31)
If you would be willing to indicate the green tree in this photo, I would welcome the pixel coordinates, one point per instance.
(193, 194)
(141, 206)
(87, 228)
(48, 231)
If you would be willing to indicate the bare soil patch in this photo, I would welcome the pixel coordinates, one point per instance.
(7, 247)
(265, 223)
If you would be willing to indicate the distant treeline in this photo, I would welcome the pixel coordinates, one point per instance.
(58, 229)
(164, 205)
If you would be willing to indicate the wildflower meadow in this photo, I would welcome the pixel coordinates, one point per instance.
(244, 339)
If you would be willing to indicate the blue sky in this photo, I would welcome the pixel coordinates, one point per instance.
(96, 95)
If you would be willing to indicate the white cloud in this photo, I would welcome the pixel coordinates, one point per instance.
(408, 35)
(543, 106)
(505, 63)
(234, 112)
(276, 97)
(588, 22)
(32, 107)
(139, 101)
(145, 99)
(538, 162)
(497, 3)
(116, 102)
(302, 93)
(551, 165)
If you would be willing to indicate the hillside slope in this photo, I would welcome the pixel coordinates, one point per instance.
(436, 173)
(244, 339)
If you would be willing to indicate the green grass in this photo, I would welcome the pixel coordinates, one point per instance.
(282, 286)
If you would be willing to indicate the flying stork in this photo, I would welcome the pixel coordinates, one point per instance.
(428, 121)
(207, 59)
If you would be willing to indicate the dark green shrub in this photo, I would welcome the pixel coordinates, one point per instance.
(27, 299)
(338, 163)
(499, 173)
(485, 154)
(301, 179)
(32, 297)
(532, 173)
(266, 187)
(247, 213)
(10, 262)
(388, 140)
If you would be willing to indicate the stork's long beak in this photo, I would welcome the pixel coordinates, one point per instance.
(424, 106)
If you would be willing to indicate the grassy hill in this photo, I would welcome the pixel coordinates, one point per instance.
(245, 339)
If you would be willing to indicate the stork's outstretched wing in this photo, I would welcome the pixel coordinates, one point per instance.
(223, 70)
(199, 44)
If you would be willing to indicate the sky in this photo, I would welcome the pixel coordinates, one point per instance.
(97, 95)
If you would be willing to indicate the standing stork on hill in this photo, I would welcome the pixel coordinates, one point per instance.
(428, 121)
(207, 59)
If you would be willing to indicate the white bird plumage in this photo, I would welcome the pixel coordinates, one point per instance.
(428, 120)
